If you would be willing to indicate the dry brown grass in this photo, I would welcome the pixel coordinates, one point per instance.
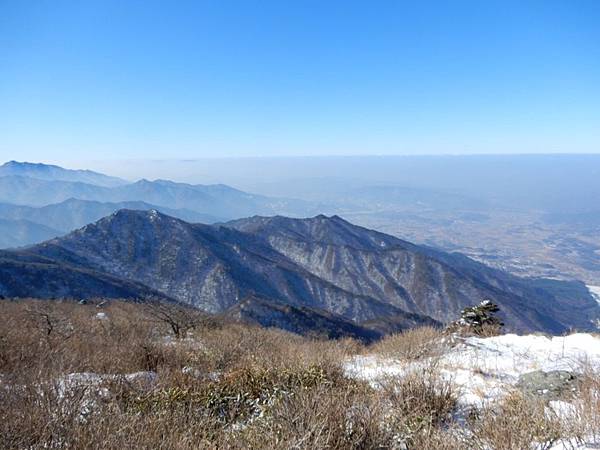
(584, 418)
(227, 385)
(40, 342)
(220, 385)
(419, 405)
(412, 344)
(519, 422)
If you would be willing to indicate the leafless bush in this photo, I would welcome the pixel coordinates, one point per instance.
(340, 416)
(412, 344)
(583, 418)
(228, 385)
(519, 422)
(179, 318)
(419, 403)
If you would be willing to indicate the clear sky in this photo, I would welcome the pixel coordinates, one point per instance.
(176, 79)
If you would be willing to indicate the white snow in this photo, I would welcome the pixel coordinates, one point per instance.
(72, 381)
(92, 388)
(595, 292)
(561, 409)
(590, 443)
(483, 368)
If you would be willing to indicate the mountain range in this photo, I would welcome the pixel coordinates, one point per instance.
(26, 225)
(217, 200)
(39, 201)
(306, 275)
(55, 173)
(20, 232)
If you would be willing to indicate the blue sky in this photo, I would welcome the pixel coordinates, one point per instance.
(176, 79)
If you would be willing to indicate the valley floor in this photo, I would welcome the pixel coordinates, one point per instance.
(522, 243)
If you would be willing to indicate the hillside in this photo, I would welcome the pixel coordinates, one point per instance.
(108, 374)
(322, 263)
(417, 278)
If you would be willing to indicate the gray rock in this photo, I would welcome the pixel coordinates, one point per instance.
(142, 380)
(552, 385)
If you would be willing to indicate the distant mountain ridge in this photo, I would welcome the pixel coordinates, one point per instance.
(326, 269)
(64, 200)
(216, 200)
(74, 213)
(20, 232)
(56, 173)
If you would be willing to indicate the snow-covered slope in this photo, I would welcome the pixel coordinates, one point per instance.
(485, 370)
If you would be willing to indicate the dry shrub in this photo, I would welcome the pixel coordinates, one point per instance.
(420, 402)
(226, 385)
(404, 413)
(590, 399)
(343, 416)
(210, 380)
(413, 344)
(236, 397)
(519, 422)
(49, 338)
(241, 345)
(584, 418)
(31, 420)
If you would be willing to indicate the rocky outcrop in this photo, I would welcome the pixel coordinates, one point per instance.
(551, 385)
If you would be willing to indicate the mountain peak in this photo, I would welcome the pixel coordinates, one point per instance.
(144, 181)
(25, 164)
(146, 214)
(127, 226)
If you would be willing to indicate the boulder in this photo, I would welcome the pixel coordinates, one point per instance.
(552, 385)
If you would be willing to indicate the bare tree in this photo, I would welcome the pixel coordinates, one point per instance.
(180, 318)
(49, 321)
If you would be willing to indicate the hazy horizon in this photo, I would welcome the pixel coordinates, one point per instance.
(237, 171)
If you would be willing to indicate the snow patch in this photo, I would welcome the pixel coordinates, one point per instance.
(485, 368)
(595, 292)
(590, 443)
(88, 389)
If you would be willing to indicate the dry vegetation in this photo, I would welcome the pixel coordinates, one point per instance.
(225, 385)
(411, 345)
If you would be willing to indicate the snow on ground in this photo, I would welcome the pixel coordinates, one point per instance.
(88, 388)
(590, 443)
(483, 368)
(595, 291)
(101, 316)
